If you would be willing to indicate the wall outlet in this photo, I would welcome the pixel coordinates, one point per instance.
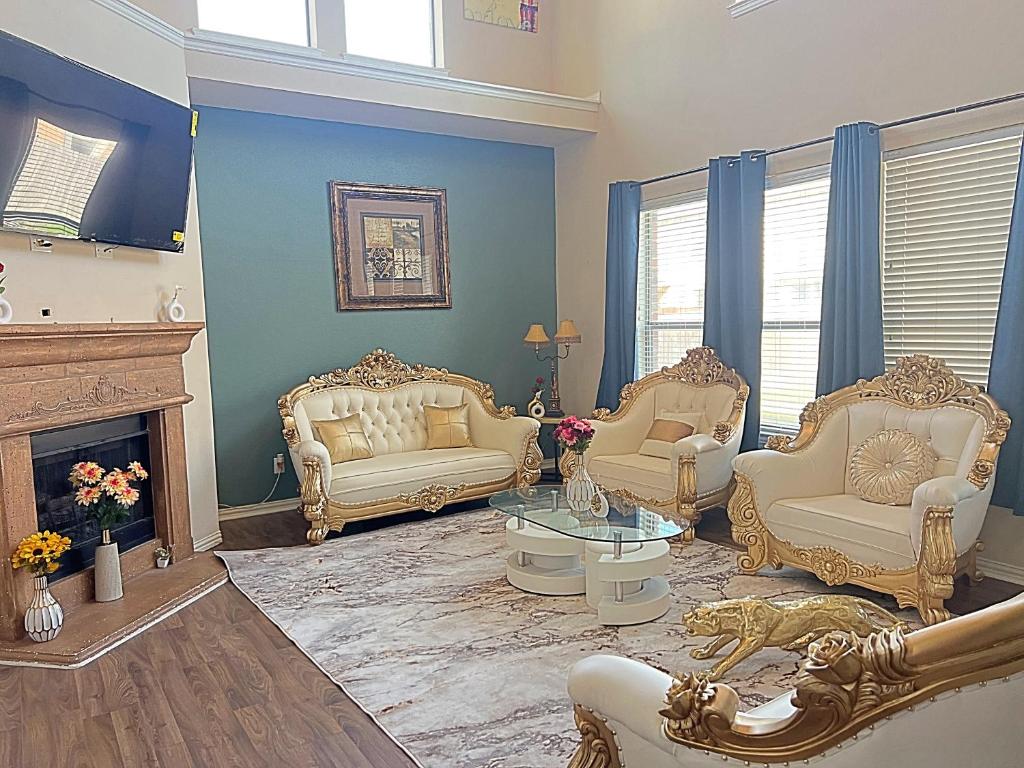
(40, 244)
(279, 464)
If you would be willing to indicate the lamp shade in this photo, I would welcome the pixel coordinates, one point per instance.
(536, 335)
(567, 333)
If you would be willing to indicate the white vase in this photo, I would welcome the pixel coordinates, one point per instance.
(44, 617)
(580, 488)
(6, 311)
(107, 573)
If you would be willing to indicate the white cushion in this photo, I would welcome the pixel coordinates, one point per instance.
(866, 532)
(713, 403)
(391, 474)
(648, 476)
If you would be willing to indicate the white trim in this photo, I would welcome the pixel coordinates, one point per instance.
(742, 7)
(814, 173)
(953, 142)
(125, 639)
(204, 41)
(207, 542)
(1002, 571)
(255, 510)
(392, 66)
(144, 19)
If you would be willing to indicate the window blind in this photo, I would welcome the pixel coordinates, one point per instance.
(946, 221)
(795, 217)
(670, 281)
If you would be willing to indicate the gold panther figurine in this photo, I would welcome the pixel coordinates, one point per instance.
(788, 624)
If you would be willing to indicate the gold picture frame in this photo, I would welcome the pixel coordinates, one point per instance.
(390, 246)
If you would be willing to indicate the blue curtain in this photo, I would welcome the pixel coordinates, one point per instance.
(1007, 370)
(734, 274)
(850, 344)
(620, 271)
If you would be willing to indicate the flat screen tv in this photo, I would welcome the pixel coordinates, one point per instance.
(84, 155)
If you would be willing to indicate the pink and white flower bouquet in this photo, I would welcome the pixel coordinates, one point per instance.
(108, 496)
(574, 434)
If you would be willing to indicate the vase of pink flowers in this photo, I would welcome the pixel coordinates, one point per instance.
(108, 498)
(574, 435)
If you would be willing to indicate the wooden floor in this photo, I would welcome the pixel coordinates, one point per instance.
(219, 685)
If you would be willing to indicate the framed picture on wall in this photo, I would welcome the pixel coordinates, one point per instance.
(390, 246)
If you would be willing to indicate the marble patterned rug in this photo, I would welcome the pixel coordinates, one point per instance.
(417, 623)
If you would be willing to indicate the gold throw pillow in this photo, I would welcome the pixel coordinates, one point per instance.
(889, 465)
(666, 430)
(344, 438)
(447, 427)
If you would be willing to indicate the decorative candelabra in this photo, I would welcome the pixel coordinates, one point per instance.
(566, 335)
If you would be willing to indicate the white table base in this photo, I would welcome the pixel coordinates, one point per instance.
(543, 561)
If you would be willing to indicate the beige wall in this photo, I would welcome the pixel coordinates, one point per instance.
(682, 82)
(132, 285)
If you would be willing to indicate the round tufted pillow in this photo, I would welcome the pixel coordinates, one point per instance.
(889, 465)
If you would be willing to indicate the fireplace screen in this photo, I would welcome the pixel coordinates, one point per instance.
(112, 443)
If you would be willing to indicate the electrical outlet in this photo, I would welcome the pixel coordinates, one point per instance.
(279, 464)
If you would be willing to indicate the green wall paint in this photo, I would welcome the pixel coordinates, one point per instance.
(269, 271)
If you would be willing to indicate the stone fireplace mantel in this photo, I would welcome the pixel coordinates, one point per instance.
(60, 375)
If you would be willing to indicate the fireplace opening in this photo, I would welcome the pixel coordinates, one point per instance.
(110, 443)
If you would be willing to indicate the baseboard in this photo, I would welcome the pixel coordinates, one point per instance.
(1002, 571)
(255, 510)
(207, 542)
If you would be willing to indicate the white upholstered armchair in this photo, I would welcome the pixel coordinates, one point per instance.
(802, 503)
(683, 477)
(943, 695)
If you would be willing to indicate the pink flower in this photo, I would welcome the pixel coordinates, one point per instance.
(2, 267)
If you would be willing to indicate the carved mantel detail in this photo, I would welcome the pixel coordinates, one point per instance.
(103, 394)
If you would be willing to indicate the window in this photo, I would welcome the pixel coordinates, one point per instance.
(283, 21)
(670, 283)
(394, 30)
(946, 221)
(795, 217)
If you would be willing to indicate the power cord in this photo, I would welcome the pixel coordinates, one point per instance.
(277, 479)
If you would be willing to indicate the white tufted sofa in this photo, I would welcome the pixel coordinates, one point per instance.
(945, 695)
(796, 504)
(698, 474)
(389, 397)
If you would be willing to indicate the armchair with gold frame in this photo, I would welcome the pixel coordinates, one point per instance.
(944, 695)
(696, 473)
(795, 503)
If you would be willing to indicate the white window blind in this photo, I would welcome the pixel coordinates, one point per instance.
(795, 217)
(670, 281)
(283, 21)
(946, 221)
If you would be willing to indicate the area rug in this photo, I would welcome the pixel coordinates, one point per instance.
(417, 623)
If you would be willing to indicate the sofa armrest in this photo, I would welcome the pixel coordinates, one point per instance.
(312, 449)
(511, 435)
(626, 691)
(776, 475)
(969, 503)
(713, 460)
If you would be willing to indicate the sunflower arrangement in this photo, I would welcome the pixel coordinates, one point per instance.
(40, 552)
(108, 496)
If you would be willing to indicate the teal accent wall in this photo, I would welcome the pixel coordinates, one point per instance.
(269, 270)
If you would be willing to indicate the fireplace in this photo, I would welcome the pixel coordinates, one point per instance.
(104, 392)
(111, 443)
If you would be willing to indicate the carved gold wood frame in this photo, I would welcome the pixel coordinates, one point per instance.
(918, 382)
(380, 370)
(700, 367)
(846, 684)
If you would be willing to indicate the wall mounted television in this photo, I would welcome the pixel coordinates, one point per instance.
(87, 156)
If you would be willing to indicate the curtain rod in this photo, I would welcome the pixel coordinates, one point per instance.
(825, 139)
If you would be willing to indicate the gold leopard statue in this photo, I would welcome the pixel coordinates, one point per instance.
(788, 624)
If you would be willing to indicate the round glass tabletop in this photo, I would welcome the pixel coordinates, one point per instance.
(547, 506)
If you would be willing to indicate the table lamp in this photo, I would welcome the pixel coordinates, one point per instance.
(566, 335)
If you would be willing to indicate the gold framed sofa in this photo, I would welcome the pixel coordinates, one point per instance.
(633, 452)
(805, 501)
(943, 695)
(384, 437)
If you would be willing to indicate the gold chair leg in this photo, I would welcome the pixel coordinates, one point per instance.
(313, 503)
(974, 573)
(937, 565)
(686, 495)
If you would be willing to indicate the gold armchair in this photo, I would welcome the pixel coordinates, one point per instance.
(943, 695)
(795, 505)
(696, 473)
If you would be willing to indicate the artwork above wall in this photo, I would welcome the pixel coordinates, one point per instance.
(517, 14)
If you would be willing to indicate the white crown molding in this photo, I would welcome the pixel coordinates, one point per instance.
(144, 19)
(207, 542)
(204, 41)
(255, 510)
(741, 7)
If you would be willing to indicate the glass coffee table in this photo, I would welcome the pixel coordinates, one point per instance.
(617, 560)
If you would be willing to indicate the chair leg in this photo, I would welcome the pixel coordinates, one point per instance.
(974, 573)
(686, 495)
(313, 502)
(937, 564)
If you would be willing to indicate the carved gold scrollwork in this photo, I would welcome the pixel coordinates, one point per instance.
(833, 567)
(598, 748)
(529, 470)
(920, 380)
(432, 497)
(313, 501)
